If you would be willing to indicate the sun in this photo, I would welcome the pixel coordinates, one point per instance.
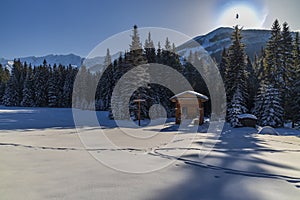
(242, 15)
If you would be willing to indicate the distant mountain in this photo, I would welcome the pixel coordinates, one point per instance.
(51, 59)
(215, 41)
(70, 59)
(97, 63)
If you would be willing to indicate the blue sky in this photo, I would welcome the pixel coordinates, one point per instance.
(41, 27)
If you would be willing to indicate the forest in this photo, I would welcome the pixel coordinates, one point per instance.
(267, 86)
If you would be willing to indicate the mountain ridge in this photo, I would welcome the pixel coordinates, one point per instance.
(213, 42)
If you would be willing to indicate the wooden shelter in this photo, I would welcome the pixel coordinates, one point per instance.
(189, 105)
(247, 120)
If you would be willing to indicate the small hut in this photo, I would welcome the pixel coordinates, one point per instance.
(247, 120)
(189, 105)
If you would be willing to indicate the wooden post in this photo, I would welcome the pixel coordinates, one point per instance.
(139, 113)
(177, 114)
(139, 108)
(201, 112)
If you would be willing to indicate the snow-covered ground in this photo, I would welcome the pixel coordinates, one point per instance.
(42, 157)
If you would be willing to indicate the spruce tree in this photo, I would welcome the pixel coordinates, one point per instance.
(149, 49)
(237, 106)
(236, 77)
(53, 87)
(273, 70)
(293, 100)
(4, 77)
(223, 64)
(28, 91)
(107, 60)
(14, 90)
(251, 83)
(268, 107)
(68, 86)
(41, 85)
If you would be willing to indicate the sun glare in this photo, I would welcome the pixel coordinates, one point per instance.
(242, 15)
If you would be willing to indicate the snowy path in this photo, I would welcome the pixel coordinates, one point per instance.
(46, 161)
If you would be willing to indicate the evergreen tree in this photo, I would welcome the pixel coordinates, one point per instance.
(41, 85)
(149, 49)
(293, 100)
(14, 90)
(268, 107)
(4, 77)
(106, 84)
(236, 76)
(28, 91)
(288, 71)
(273, 58)
(159, 54)
(53, 87)
(237, 106)
(251, 83)
(68, 86)
(223, 64)
(136, 52)
(107, 60)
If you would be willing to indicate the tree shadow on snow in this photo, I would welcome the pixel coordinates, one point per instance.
(225, 174)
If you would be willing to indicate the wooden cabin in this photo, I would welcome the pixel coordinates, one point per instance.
(189, 105)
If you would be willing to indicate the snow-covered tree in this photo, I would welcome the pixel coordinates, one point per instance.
(53, 87)
(4, 77)
(236, 76)
(14, 90)
(68, 86)
(236, 107)
(41, 85)
(107, 60)
(292, 108)
(268, 107)
(149, 49)
(28, 91)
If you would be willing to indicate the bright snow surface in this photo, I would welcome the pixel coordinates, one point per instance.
(42, 157)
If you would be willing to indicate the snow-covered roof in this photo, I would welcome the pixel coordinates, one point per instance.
(247, 116)
(189, 94)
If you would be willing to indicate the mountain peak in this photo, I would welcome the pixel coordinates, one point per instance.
(214, 41)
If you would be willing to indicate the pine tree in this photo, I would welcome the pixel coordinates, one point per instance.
(236, 77)
(106, 84)
(251, 83)
(53, 87)
(149, 49)
(136, 52)
(293, 100)
(237, 106)
(107, 60)
(223, 64)
(273, 58)
(41, 76)
(14, 90)
(68, 86)
(268, 107)
(28, 91)
(4, 77)
(159, 54)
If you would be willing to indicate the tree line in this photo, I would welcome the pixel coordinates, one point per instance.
(268, 87)
(38, 86)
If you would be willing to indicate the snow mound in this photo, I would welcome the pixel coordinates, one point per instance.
(267, 130)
